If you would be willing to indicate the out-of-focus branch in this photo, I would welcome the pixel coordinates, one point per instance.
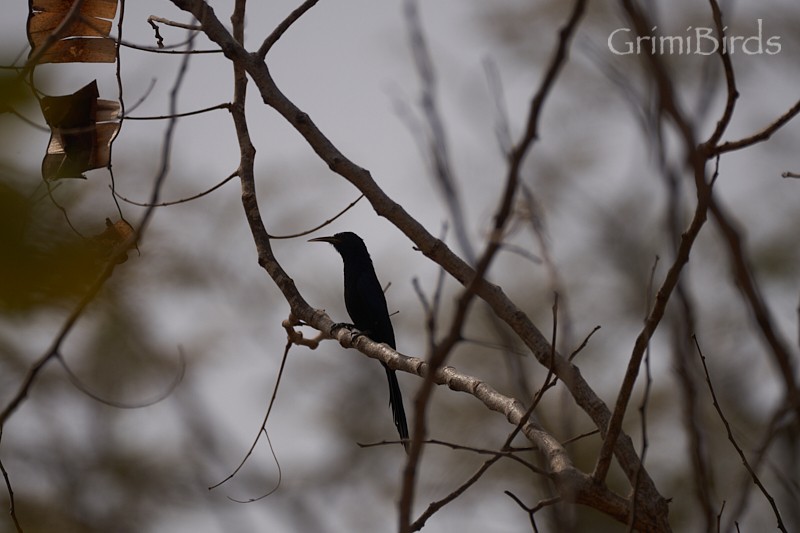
(778, 346)
(454, 335)
(696, 162)
(781, 422)
(436, 137)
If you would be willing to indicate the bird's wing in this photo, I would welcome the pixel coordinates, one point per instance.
(379, 325)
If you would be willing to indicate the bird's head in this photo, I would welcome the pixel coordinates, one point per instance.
(346, 243)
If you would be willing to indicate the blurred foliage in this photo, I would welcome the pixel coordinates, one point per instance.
(44, 261)
(76, 461)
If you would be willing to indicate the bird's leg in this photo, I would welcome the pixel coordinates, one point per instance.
(349, 327)
(346, 325)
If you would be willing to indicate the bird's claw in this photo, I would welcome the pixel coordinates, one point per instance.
(346, 325)
(354, 331)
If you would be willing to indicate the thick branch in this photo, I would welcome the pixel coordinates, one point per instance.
(573, 485)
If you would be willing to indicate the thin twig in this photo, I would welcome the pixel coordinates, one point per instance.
(278, 32)
(12, 507)
(761, 136)
(263, 429)
(732, 440)
(730, 79)
(152, 19)
(320, 225)
(182, 200)
(435, 506)
(583, 344)
(532, 510)
(167, 51)
(82, 387)
(508, 454)
(774, 428)
(580, 437)
(224, 105)
(122, 111)
(643, 407)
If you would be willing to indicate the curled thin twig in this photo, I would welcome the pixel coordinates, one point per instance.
(78, 384)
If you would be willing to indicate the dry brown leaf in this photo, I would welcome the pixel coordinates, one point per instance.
(84, 37)
(83, 128)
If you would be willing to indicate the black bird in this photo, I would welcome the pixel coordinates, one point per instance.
(366, 305)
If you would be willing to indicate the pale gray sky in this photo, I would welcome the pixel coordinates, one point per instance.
(347, 63)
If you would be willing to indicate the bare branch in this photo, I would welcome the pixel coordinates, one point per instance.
(569, 480)
(761, 136)
(532, 510)
(152, 19)
(278, 32)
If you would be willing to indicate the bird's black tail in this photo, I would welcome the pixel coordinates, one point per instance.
(396, 402)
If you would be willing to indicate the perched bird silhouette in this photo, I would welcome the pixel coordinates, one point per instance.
(366, 305)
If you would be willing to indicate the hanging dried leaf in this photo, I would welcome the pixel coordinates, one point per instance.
(117, 238)
(82, 129)
(81, 35)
